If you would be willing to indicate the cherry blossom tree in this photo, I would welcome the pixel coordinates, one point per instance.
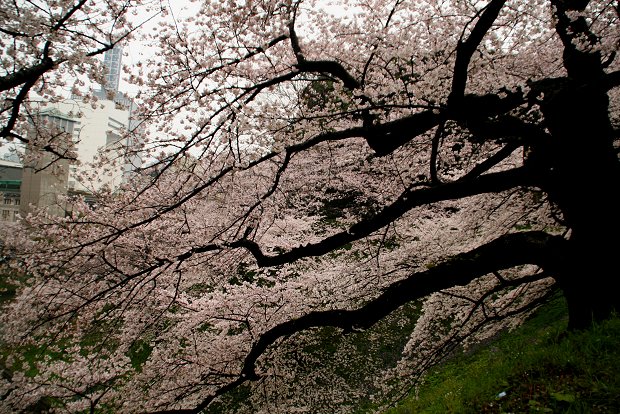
(328, 181)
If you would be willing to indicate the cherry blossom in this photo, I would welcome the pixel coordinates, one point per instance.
(326, 181)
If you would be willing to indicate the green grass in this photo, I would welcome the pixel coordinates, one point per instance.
(538, 368)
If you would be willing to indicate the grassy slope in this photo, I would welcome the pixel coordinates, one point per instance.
(538, 368)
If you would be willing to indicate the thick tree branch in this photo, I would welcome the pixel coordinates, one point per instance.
(510, 250)
(68, 15)
(330, 67)
(408, 200)
(514, 131)
(7, 130)
(466, 49)
(507, 127)
(492, 161)
(581, 65)
(35, 71)
(28, 74)
(387, 137)
(473, 113)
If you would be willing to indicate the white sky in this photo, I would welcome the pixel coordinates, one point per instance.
(137, 51)
(180, 9)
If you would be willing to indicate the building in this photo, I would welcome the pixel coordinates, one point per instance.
(44, 180)
(10, 184)
(100, 131)
(103, 129)
(95, 130)
(112, 62)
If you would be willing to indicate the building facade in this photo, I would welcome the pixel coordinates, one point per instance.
(102, 131)
(10, 189)
(112, 62)
(101, 135)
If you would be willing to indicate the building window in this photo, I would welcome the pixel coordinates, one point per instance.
(17, 201)
(5, 215)
(8, 201)
(112, 138)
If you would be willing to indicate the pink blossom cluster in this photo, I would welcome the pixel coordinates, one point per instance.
(316, 176)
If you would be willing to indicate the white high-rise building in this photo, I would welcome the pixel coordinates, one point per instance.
(102, 129)
(99, 131)
(112, 62)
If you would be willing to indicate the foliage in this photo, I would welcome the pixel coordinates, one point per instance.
(315, 172)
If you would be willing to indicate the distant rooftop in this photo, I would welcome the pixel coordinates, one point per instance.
(10, 161)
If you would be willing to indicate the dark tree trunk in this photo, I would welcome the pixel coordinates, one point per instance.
(583, 179)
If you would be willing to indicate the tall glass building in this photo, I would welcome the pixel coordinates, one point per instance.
(112, 62)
